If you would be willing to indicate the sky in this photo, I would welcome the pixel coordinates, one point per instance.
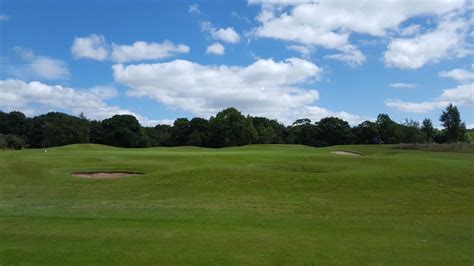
(161, 60)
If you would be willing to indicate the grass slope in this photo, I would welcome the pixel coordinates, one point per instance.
(262, 204)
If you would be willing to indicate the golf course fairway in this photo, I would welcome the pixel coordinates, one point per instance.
(256, 204)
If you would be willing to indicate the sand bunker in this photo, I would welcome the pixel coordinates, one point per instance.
(346, 153)
(105, 175)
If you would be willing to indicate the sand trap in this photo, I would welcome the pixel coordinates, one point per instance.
(105, 175)
(346, 153)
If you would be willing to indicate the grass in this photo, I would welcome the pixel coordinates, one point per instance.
(451, 147)
(261, 204)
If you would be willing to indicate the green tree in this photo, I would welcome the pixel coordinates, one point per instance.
(96, 134)
(410, 132)
(57, 129)
(200, 132)
(227, 128)
(195, 139)
(162, 136)
(451, 121)
(388, 129)
(334, 131)
(305, 133)
(180, 132)
(124, 131)
(427, 130)
(366, 133)
(249, 135)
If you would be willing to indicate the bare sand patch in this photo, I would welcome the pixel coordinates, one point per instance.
(350, 153)
(105, 175)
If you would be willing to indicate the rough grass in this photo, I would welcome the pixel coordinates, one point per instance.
(450, 147)
(263, 204)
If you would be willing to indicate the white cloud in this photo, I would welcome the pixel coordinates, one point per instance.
(104, 92)
(304, 50)
(4, 17)
(19, 95)
(194, 9)
(329, 23)
(146, 51)
(462, 95)
(350, 54)
(215, 48)
(228, 35)
(410, 30)
(444, 41)
(402, 85)
(458, 74)
(412, 107)
(93, 47)
(264, 88)
(38, 67)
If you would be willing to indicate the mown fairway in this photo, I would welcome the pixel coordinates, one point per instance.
(264, 204)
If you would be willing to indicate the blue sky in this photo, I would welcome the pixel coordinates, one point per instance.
(161, 60)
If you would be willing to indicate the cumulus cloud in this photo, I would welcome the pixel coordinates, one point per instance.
(104, 92)
(93, 46)
(462, 95)
(20, 95)
(228, 35)
(329, 23)
(444, 41)
(350, 54)
(458, 74)
(265, 88)
(38, 66)
(402, 85)
(146, 51)
(304, 50)
(215, 48)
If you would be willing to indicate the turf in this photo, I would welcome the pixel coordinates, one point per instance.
(260, 204)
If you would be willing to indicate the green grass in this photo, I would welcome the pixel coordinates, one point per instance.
(262, 204)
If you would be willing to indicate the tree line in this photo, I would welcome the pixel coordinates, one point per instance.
(228, 128)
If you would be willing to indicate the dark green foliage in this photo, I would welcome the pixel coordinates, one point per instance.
(427, 130)
(366, 133)
(14, 123)
(199, 132)
(334, 131)
(180, 132)
(228, 128)
(388, 129)
(57, 129)
(269, 131)
(124, 131)
(11, 141)
(451, 121)
(163, 133)
(303, 132)
(410, 132)
(96, 132)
